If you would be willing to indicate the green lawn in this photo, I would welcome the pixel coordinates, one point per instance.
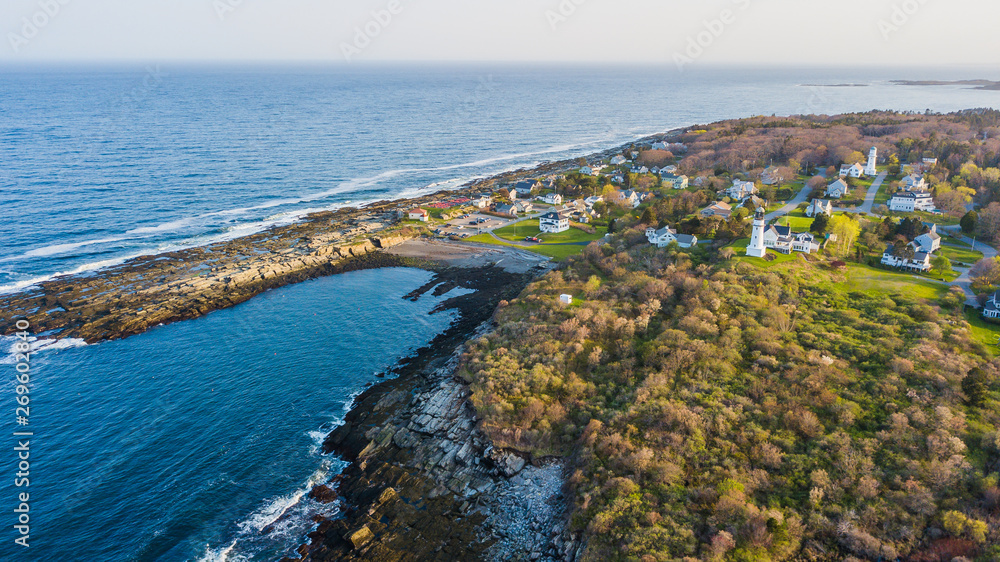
(555, 245)
(518, 231)
(871, 281)
(797, 220)
(959, 252)
(984, 331)
(741, 255)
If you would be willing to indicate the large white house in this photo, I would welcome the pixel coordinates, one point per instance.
(910, 201)
(741, 190)
(666, 235)
(771, 176)
(819, 207)
(852, 170)
(553, 223)
(929, 242)
(483, 200)
(921, 261)
(782, 239)
(992, 308)
(552, 199)
(838, 189)
(618, 160)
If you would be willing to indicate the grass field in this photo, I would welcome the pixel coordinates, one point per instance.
(741, 255)
(871, 281)
(959, 252)
(517, 231)
(984, 331)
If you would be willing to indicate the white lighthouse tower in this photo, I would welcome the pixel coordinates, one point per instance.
(756, 248)
(872, 159)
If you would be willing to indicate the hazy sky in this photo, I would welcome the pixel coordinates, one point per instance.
(799, 32)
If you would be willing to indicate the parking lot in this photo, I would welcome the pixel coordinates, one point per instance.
(472, 224)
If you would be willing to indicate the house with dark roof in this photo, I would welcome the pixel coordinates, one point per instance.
(921, 261)
(992, 308)
(509, 210)
(910, 201)
(782, 239)
(838, 189)
(553, 223)
(666, 235)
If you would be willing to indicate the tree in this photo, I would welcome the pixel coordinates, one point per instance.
(847, 230)
(820, 224)
(648, 216)
(976, 386)
(969, 222)
(985, 273)
(611, 226)
(988, 225)
(941, 265)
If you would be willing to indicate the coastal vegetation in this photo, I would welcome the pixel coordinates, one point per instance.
(723, 411)
(712, 406)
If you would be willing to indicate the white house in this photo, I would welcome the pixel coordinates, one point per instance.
(483, 200)
(740, 190)
(913, 182)
(921, 261)
(618, 160)
(593, 200)
(852, 171)
(838, 189)
(631, 198)
(819, 207)
(671, 169)
(587, 171)
(639, 170)
(992, 308)
(910, 201)
(553, 223)
(929, 242)
(930, 162)
(524, 207)
(782, 239)
(666, 235)
(660, 146)
(674, 181)
(419, 215)
(552, 199)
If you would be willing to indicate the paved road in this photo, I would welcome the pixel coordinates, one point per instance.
(866, 207)
(798, 200)
(963, 280)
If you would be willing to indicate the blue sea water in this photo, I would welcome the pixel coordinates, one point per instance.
(196, 441)
(99, 164)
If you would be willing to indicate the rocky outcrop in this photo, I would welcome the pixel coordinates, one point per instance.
(424, 482)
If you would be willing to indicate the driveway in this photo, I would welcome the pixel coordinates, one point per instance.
(963, 280)
(798, 200)
(866, 207)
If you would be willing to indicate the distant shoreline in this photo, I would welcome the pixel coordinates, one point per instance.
(974, 84)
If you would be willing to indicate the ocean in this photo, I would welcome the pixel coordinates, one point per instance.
(198, 440)
(101, 164)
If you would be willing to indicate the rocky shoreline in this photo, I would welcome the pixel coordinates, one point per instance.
(424, 483)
